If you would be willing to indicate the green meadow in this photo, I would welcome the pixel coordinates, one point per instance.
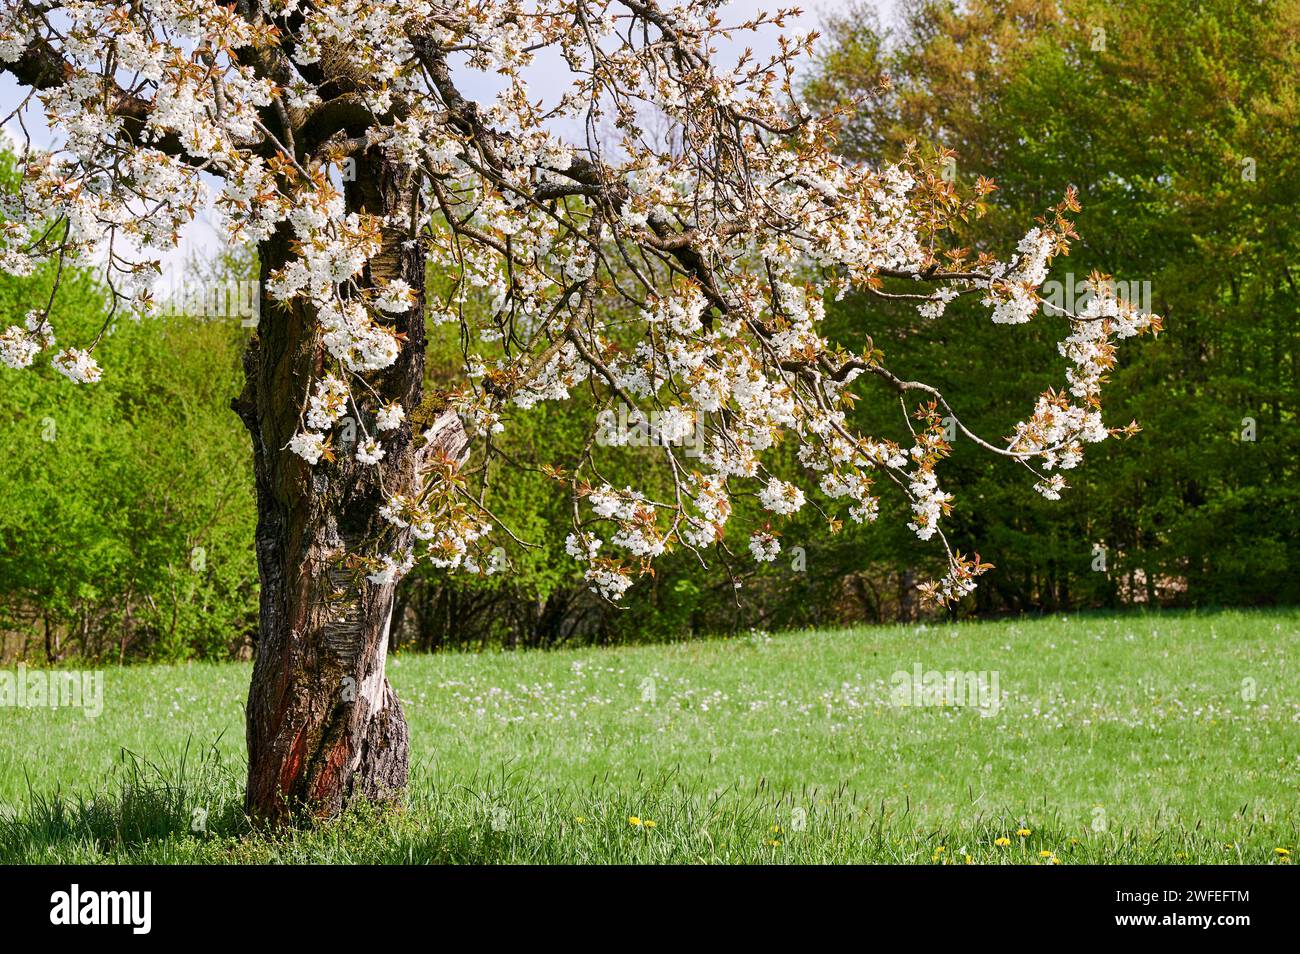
(1142, 738)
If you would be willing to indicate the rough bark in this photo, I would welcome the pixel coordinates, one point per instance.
(323, 724)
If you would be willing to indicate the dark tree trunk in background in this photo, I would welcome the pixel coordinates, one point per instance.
(323, 724)
(906, 582)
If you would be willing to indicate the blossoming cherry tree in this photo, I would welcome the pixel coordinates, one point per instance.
(659, 227)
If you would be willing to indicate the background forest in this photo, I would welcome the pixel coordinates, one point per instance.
(1180, 119)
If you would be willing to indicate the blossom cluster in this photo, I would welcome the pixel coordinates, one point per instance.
(683, 280)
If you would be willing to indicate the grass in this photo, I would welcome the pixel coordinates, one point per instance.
(1135, 739)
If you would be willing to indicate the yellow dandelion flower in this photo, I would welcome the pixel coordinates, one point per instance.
(579, 819)
(1024, 833)
(648, 823)
(634, 821)
(1282, 852)
(774, 844)
(1002, 842)
(776, 829)
(969, 861)
(1044, 854)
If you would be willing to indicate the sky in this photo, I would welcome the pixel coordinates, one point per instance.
(199, 240)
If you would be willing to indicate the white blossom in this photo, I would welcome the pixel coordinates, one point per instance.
(764, 547)
(369, 451)
(308, 445)
(77, 365)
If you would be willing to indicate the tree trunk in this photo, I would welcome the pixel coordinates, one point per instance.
(323, 724)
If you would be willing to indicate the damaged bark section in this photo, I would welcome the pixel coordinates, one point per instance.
(323, 724)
